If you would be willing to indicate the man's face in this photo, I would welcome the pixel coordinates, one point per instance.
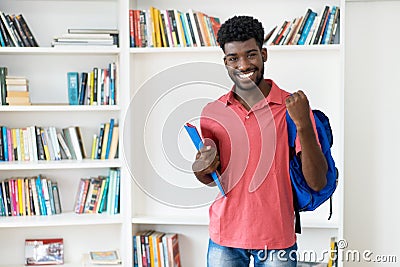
(245, 63)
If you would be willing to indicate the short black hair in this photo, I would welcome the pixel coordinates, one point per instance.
(240, 28)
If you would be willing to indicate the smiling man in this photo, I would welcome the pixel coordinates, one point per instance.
(246, 139)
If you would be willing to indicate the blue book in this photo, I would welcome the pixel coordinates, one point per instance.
(112, 84)
(307, 28)
(5, 143)
(2, 43)
(110, 133)
(117, 188)
(39, 189)
(2, 201)
(329, 24)
(73, 88)
(198, 143)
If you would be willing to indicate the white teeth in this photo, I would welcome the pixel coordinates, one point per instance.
(245, 76)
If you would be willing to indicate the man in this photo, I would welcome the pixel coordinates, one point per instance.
(245, 134)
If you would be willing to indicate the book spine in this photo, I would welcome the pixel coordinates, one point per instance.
(28, 31)
(321, 25)
(82, 91)
(51, 196)
(109, 139)
(6, 38)
(9, 145)
(3, 74)
(73, 87)
(20, 31)
(307, 28)
(56, 195)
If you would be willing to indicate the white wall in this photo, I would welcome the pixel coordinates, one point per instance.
(372, 129)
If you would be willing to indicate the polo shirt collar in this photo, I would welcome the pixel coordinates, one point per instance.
(275, 95)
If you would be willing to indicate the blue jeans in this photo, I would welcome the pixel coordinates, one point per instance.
(220, 256)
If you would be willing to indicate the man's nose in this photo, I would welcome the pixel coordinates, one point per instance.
(243, 63)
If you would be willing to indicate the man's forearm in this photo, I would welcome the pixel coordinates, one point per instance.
(313, 161)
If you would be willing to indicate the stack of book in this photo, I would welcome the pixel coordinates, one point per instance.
(29, 196)
(99, 194)
(14, 31)
(172, 28)
(17, 91)
(87, 37)
(310, 29)
(153, 248)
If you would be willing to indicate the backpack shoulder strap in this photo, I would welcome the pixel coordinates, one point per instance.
(292, 131)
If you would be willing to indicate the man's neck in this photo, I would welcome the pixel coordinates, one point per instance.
(248, 98)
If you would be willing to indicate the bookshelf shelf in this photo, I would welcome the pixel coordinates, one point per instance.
(60, 165)
(63, 219)
(60, 108)
(287, 48)
(59, 50)
(170, 220)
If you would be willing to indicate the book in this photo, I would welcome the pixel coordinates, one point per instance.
(3, 85)
(44, 251)
(198, 143)
(73, 88)
(321, 26)
(114, 143)
(307, 28)
(11, 34)
(173, 250)
(31, 38)
(109, 257)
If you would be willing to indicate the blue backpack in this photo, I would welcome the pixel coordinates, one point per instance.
(304, 198)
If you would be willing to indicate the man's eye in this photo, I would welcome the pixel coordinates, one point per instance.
(232, 59)
(252, 55)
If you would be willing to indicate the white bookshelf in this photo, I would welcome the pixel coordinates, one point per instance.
(318, 70)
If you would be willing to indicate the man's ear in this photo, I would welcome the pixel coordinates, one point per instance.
(264, 54)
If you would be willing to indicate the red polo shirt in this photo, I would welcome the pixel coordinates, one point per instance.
(254, 154)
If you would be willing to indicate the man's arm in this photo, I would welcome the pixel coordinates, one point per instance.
(207, 161)
(313, 161)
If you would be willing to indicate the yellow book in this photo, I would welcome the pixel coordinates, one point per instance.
(22, 144)
(333, 253)
(153, 26)
(21, 199)
(156, 27)
(94, 146)
(45, 145)
(151, 249)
